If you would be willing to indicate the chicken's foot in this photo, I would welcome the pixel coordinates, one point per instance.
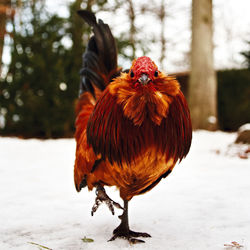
(123, 231)
(101, 196)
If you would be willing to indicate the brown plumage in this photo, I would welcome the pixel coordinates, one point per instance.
(131, 128)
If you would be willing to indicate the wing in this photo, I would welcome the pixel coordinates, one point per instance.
(110, 133)
(175, 132)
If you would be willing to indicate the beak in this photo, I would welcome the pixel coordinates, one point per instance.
(144, 79)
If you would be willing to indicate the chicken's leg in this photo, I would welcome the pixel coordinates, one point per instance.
(101, 196)
(123, 231)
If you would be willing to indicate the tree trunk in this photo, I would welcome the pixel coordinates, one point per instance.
(203, 82)
(4, 6)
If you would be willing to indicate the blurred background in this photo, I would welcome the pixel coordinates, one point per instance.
(41, 46)
(205, 203)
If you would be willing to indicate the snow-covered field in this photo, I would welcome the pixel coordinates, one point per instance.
(203, 204)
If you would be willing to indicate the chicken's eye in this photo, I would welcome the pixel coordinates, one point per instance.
(132, 73)
(156, 73)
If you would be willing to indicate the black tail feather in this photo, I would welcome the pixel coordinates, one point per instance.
(87, 86)
(100, 57)
(93, 77)
(91, 60)
(88, 17)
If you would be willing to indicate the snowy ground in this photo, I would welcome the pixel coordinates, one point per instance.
(203, 204)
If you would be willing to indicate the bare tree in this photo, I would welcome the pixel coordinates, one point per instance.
(163, 40)
(131, 13)
(203, 83)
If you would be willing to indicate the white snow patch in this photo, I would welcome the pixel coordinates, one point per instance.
(203, 204)
(244, 127)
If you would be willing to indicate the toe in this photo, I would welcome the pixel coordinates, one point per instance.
(139, 234)
(135, 241)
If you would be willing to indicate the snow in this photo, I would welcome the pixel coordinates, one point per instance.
(244, 127)
(203, 204)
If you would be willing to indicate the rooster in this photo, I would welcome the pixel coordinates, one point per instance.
(132, 126)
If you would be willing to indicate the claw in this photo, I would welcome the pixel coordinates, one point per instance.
(101, 196)
(130, 239)
(129, 236)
